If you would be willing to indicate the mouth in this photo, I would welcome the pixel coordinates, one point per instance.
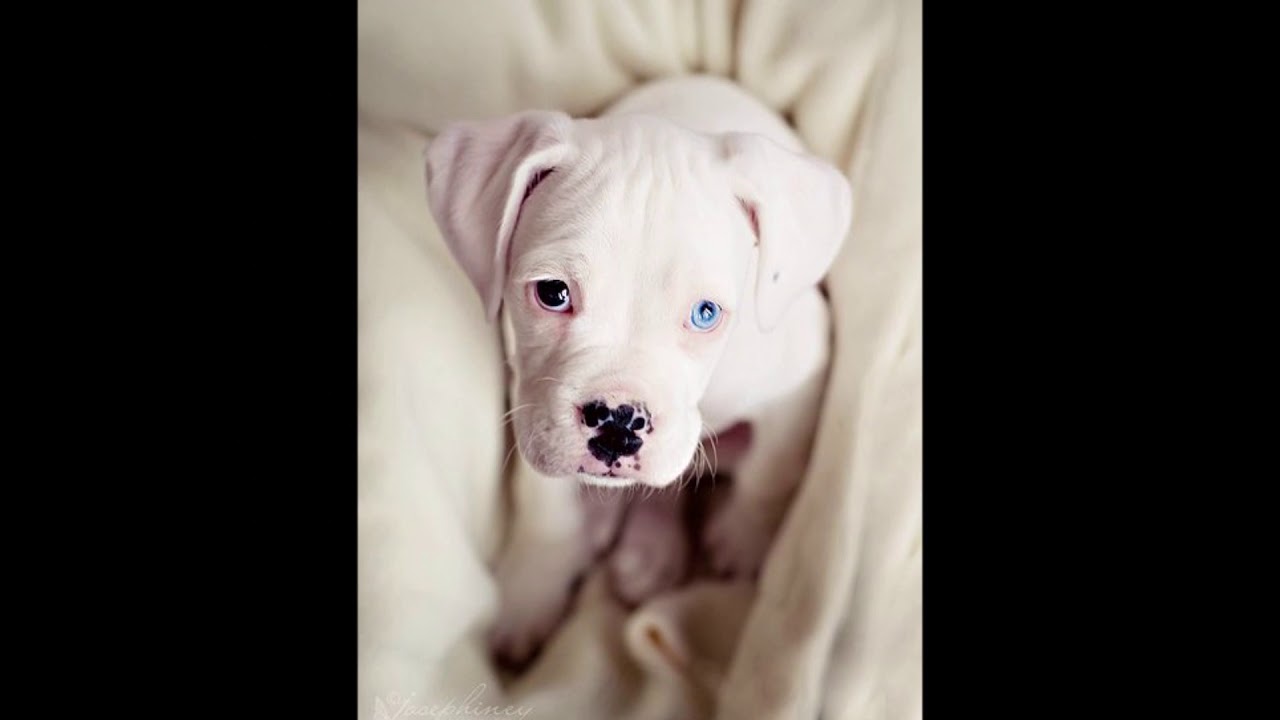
(603, 480)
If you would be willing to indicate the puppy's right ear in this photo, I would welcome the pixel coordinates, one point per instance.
(478, 176)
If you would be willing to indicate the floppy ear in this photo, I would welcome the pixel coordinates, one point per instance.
(478, 176)
(800, 208)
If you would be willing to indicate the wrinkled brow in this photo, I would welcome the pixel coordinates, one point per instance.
(551, 262)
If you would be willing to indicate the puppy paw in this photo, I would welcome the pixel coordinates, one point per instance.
(652, 556)
(535, 593)
(518, 635)
(736, 539)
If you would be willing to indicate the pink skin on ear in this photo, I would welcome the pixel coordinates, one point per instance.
(800, 208)
(478, 177)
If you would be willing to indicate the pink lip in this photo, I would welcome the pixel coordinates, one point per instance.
(604, 480)
(623, 468)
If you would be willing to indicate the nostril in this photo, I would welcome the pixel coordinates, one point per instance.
(594, 413)
(622, 414)
(637, 423)
(631, 444)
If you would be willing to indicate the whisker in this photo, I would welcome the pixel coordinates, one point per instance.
(707, 430)
(506, 460)
(715, 449)
(689, 472)
(516, 409)
(510, 415)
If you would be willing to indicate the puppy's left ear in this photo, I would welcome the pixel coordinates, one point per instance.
(800, 208)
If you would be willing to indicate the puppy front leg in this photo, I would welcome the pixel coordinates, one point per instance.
(740, 528)
(602, 511)
(546, 551)
(653, 551)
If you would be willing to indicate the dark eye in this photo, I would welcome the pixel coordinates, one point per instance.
(553, 295)
(704, 316)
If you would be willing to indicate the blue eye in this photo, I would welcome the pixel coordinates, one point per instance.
(552, 295)
(705, 315)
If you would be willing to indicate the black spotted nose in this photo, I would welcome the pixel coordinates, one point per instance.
(616, 429)
(613, 442)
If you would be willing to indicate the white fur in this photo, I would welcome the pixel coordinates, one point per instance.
(688, 189)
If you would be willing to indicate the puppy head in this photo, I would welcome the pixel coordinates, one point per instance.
(626, 249)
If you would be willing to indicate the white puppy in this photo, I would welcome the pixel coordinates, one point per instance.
(658, 267)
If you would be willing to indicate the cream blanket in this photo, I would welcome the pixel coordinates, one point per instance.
(835, 624)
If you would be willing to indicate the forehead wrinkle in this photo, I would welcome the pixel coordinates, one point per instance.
(678, 194)
(594, 233)
(595, 194)
(556, 260)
